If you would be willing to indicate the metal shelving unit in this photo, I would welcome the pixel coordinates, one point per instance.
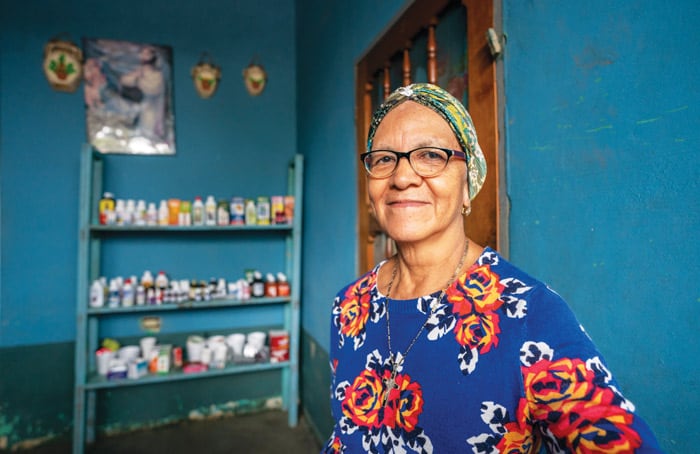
(91, 235)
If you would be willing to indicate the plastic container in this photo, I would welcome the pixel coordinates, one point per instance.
(198, 211)
(97, 294)
(163, 213)
(173, 211)
(222, 213)
(106, 209)
(210, 211)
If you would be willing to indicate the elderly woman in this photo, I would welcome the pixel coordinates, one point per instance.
(446, 347)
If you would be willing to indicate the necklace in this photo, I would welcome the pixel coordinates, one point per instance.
(390, 383)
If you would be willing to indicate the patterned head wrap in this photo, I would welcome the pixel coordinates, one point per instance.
(449, 108)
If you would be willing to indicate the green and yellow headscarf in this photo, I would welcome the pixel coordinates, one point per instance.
(448, 107)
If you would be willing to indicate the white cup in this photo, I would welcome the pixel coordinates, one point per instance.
(256, 339)
(195, 344)
(218, 339)
(129, 352)
(147, 344)
(205, 355)
(104, 357)
(219, 353)
(236, 341)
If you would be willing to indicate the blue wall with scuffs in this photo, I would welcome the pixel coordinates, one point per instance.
(600, 138)
(224, 144)
(230, 144)
(602, 171)
(602, 167)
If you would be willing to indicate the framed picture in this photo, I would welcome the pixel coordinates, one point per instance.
(128, 97)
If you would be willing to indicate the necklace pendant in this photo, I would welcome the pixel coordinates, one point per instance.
(390, 383)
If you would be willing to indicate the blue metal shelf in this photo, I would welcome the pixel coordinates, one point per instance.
(187, 305)
(88, 319)
(190, 228)
(95, 381)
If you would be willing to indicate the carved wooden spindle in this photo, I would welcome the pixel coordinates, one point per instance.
(407, 64)
(387, 80)
(432, 52)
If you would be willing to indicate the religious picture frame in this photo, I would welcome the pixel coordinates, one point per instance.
(128, 93)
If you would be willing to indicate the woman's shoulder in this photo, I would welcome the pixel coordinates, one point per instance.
(514, 279)
(365, 282)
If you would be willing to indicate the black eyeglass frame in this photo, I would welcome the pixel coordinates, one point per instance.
(407, 155)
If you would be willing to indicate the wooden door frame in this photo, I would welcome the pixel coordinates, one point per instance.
(487, 207)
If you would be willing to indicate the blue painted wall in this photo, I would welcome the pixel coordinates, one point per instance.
(602, 173)
(601, 144)
(230, 144)
(602, 169)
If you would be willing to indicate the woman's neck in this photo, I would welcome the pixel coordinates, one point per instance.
(423, 269)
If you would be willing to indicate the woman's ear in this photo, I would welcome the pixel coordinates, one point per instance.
(466, 201)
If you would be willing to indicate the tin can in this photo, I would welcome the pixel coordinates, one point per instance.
(263, 210)
(237, 211)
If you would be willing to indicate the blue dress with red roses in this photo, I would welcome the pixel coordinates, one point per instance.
(502, 366)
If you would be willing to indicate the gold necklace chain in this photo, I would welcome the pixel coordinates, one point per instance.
(390, 383)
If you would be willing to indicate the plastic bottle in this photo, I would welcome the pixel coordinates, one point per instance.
(140, 295)
(140, 217)
(163, 213)
(119, 212)
(258, 287)
(222, 212)
(161, 283)
(210, 211)
(185, 217)
(106, 209)
(282, 285)
(198, 211)
(151, 214)
(263, 211)
(250, 212)
(127, 294)
(97, 294)
(105, 288)
(114, 293)
(130, 212)
(270, 286)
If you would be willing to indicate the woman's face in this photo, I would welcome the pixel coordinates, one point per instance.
(407, 206)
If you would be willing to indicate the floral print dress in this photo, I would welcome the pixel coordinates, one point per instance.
(502, 366)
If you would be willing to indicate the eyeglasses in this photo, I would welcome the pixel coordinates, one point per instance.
(425, 161)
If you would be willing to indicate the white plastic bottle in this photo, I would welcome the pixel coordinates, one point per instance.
(119, 211)
(163, 213)
(140, 295)
(130, 212)
(161, 286)
(140, 218)
(127, 294)
(114, 298)
(198, 211)
(97, 294)
(210, 211)
(151, 214)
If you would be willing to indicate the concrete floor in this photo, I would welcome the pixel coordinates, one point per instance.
(259, 433)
